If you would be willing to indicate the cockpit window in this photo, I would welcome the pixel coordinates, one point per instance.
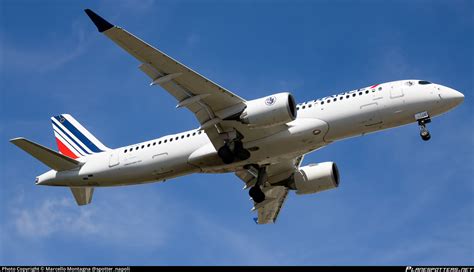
(424, 82)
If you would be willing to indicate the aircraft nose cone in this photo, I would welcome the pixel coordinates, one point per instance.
(452, 97)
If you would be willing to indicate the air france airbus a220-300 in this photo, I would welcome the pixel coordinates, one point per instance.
(262, 141)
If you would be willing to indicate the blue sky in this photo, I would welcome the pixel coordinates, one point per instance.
(401, 201)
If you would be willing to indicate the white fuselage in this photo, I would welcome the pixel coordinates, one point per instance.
(319, 123)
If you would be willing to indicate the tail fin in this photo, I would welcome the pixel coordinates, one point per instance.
(73, 139)
(45, 155)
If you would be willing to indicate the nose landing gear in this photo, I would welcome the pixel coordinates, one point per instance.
(423, 118)
(424, 133)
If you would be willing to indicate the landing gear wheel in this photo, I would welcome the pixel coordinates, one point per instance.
(240, 152)
(226, 154)
(425, 135)
(423, 118)
(256, 194)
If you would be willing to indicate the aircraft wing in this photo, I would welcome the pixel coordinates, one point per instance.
(209, 102)
(275, 193)
(268, 213)
(213, 105)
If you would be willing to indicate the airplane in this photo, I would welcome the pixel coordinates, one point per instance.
(263, 141)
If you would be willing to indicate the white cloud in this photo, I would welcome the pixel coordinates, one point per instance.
(110, 222)
(53, 56)
(53, 216)
(127, 222)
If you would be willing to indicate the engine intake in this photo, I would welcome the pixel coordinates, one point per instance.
(315, 178)
(270, 111)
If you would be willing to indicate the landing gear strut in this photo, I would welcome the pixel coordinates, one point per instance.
(423, 118)
(240, 152)
(256, 192)
(233, 150)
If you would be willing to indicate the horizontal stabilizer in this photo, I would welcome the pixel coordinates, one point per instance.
(83, 195)
(51, 158)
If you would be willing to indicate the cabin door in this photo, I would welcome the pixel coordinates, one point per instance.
(114, 159)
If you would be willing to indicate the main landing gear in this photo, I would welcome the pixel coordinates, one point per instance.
(232, 151)
(256, 192)
(423, 118)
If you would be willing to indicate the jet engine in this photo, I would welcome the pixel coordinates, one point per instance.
(270, 111)
(315, 178)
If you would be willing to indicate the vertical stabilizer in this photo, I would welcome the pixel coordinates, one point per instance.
(73, 139)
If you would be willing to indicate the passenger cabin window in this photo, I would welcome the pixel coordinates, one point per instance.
(424, 82)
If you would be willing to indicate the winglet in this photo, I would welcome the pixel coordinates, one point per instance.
(101, 24)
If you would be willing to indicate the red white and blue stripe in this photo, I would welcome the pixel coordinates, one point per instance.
(73, 139)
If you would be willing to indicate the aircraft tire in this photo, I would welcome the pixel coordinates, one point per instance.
(226, 154)
(256, 194)
(425, 135)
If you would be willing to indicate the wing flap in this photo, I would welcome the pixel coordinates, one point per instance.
(268, 213)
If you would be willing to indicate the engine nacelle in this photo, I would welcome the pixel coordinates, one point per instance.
(315, 178)
(270, 111)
